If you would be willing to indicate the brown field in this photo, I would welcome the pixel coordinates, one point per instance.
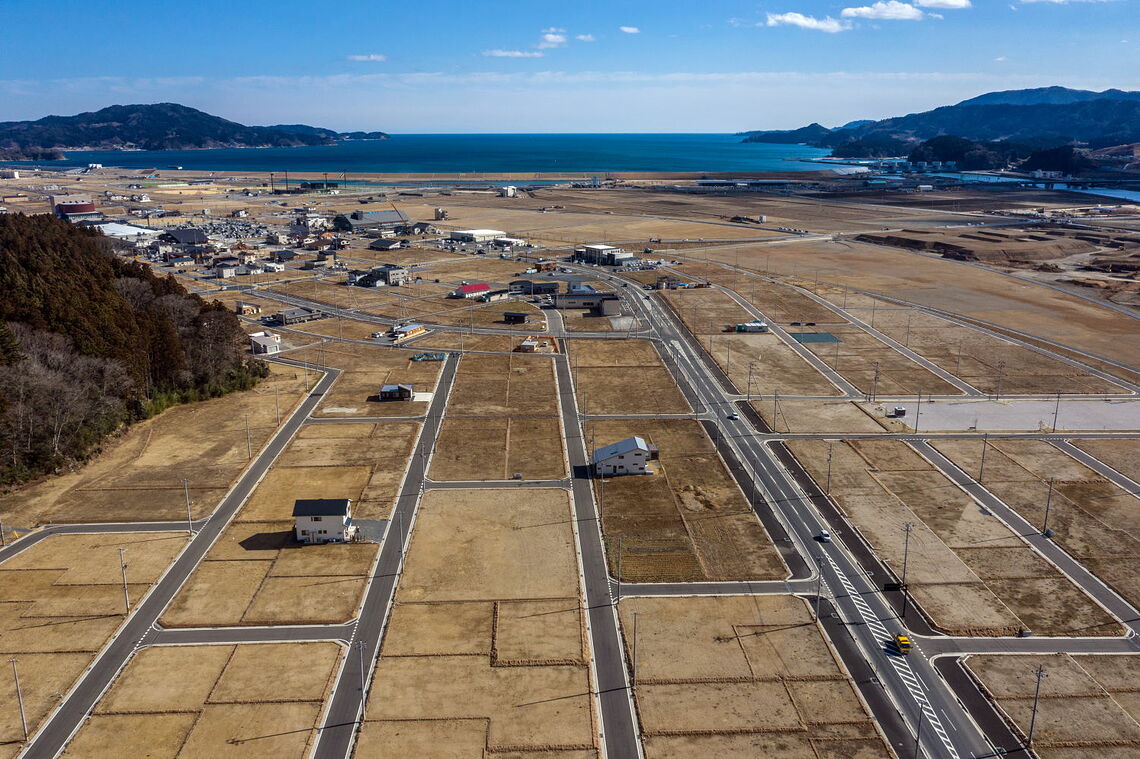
(737, 677)
(470, 448)
(366, 368)
(460, 340)
(138, 475)
(413, 256)
(334, 292)
(687, 521)
(623, 377)
(512, 385)
(473, 269)
(63, 599)
(1022, 371)
(1121, 455)
(485, 647)
(250, 700)
(828, 416)
(968, 571)
(1095, 521)
(1089, 706)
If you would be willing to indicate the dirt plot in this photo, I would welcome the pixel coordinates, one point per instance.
(250, 700)
(485, 648)
(465, 341)
(733, 676)
(473, 269)
(770, 363)
(827, 416)
(503, 385)
(778, 302)
(1092, 519)
(623, 377)
(686, 521)
(61, 599)
(365, 369)
(986, 362)
(1089, 705)
(1121, 455)
(138, 476)
(334, 292)
(584, 320)
(499, 448)
(970, 573)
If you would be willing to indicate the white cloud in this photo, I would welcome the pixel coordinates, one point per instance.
(630, 29)
(950, 5)
(584, 37)
(828, 24)
(890, 10)
(1000, 59)
(513, 53)
(378, 57)
(551, 39)
(1065, 2)
(553, 30)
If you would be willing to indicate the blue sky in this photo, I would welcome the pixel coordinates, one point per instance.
(541, 66)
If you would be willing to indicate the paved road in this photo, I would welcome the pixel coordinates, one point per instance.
(27, 541)
(54, 733)
(1104, 470)
(344, 713)
(1074, 570)
(168, 636)
(619, 725)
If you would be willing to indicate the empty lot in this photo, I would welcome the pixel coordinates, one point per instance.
(365, 369)
(742, 677)
(623, 377)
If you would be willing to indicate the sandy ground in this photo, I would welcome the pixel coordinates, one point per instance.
(252, 700)
(138, 475)
(968, 572)
(62, 599)
(736, 677)
(1092, 519)
(1089, 706)
(485, 647)
(686, 521)
(603, 370)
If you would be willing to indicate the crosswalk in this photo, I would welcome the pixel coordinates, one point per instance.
(912, 682)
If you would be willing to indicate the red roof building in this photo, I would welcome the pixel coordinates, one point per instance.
(470, 291)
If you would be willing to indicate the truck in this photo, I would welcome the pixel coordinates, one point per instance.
(429, 357)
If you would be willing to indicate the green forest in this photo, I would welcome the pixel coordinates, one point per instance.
(90, 341)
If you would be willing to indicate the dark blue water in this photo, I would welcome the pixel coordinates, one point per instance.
(476, 153)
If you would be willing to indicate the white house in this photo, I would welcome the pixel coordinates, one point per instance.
(629, 456)
(265, 342)
(323, 520)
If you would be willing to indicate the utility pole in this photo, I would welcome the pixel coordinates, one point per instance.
(1000, 372)
(3, 542)
(277, 402)
(829, 444)
(189, 517)
(958, 366)
(248, 441)
(634, 673)
(1040, 674)
(618, 578)
(19, 697)
(835, 361)
(1056, 411)
(818, 583)
(875, 382)
(906, 555)
(751, 366)
(906, 340)
(918, 411)
(360, 654)
(123, 568)
(982, 465)
(1048, 502)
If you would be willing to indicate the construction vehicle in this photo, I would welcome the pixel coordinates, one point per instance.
(902, 643)
(430, 357)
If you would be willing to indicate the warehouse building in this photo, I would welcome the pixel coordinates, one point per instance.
(476, 235)
(603, 255)
(527, 287)
(603, 304)
(296, 316)
(470, 291)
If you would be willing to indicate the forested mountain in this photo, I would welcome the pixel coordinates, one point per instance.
(90, 341)
(1047, 117)
(160, 126)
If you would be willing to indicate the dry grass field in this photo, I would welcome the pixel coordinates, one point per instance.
(62, 599)
(510, 385)
(969, 572)
(623, 377)
(334, 292)
(742, 677)
(1095, 521)
(461, 340)
(584, 320)
(485, 647)
(1121, 455)
(687, 521)
(826, 416)
(251, 700)
(138, 475)
(365, 369)
(1089, 706)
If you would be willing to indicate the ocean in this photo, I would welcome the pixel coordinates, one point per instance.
(482, 153)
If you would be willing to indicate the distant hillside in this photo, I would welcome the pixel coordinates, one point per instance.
(328, 133)
(160, 126)
(1099, 119)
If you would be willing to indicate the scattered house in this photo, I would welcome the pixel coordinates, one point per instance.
(667, 282)
(408, 331)
(396, 393)
(527, 287)
(365, 221)
(225, 272)
(629, 456)
(470, 292)
(319, 263)
(418, 228)
(476, 235)
(265, 342)
(602, 304)
(9, 174)
(323, 520)
(297, 315)
(387, 274)
(181, 262)
(531, 345)
(245, 308)
(516, 317)
(271, 266)
(603, 255)
(277, 237)
(282, 256)
(239, 213)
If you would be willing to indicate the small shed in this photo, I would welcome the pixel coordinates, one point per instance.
(396, 393)
(516, 317)
(323, 520)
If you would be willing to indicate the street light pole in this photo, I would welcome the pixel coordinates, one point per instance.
(248, 441)
(918, 732)
(123, 569)
(1048, 502)
(1040, 674)
(189, 517)
(619, 569)
(982, 465)
(633, 674)
(19, 698)
(1056, 411)
(818, 583)
(829, 444)
(906, 555)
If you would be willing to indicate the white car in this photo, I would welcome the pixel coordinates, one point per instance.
(824, 536)
(377, 335)
(734, 416)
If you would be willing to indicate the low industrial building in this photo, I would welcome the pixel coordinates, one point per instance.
(366, 221)
(476, 235)
(297, 315)
(603, 304)
(383, 244)
(323, 520)
(491, 296)
(265, 342)
(629, 456)
(245, 308)
(396, 393)
(470, 291)
(408, 331)
(75, 208)
(527, 287)
(602, 255)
